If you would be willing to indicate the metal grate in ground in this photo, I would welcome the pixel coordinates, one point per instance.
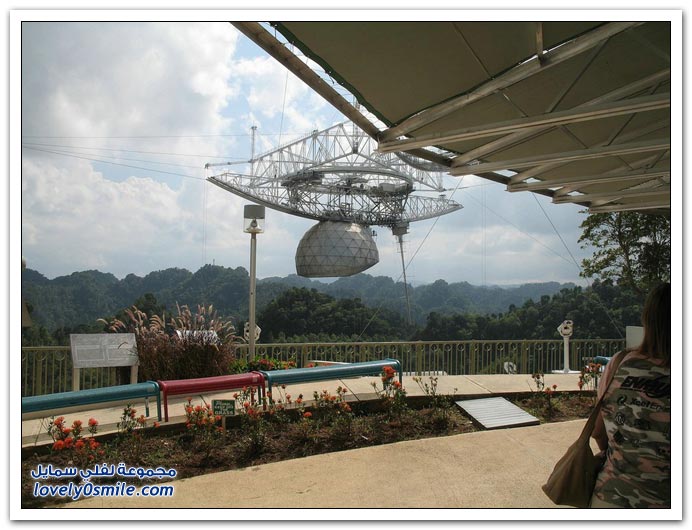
(496, 413)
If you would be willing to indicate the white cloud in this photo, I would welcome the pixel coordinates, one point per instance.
(73, 215)
(127, 79)
(273, 92)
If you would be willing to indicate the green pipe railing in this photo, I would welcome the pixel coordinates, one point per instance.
(47, 370)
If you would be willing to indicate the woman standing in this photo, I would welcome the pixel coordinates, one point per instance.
(634, 427)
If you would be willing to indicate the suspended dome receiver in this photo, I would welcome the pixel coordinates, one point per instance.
(335, 248)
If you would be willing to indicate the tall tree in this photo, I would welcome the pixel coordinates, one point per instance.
(631, 248)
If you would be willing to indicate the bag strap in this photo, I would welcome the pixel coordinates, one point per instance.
(591, 422)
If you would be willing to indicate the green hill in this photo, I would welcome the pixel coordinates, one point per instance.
(83, 297)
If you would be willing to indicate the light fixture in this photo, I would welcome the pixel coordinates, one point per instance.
(254, 219)
(253, 225)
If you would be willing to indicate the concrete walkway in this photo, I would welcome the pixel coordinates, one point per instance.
(486, 469)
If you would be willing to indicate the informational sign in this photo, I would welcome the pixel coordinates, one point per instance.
(223, 407)
(103, 350)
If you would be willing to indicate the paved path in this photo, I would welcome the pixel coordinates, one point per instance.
(486, 469)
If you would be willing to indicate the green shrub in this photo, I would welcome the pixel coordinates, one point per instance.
(187, 346)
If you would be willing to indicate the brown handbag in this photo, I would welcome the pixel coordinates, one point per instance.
(573, 479)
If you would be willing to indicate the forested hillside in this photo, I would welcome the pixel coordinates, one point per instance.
(361, 307)
(632, 255)
(601, 311)
(83, 297)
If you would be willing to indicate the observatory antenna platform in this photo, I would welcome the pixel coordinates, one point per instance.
(337, 177)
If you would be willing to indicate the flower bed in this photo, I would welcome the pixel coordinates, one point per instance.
(286, 429)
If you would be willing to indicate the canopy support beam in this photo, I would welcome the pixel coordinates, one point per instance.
(534, 123)
(613, 195)
(567, 156)
(588, 179)
(637, 206)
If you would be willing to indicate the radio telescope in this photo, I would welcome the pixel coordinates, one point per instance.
(337, 177)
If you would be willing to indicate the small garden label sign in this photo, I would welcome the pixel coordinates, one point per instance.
(223, 407)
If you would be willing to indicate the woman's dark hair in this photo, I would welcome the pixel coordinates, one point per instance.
(656, 322)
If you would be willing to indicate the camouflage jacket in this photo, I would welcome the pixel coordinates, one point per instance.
(636, 413)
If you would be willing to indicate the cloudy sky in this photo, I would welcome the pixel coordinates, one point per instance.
(119, 118)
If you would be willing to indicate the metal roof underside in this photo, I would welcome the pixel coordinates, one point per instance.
(578, 111)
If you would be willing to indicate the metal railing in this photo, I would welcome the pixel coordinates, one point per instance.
(468, 357)
(49, 369)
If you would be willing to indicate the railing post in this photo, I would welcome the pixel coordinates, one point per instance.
(39, 377)
(524, 357)
(419, 359)
(75, 379)
(304, 356)
(472, 357)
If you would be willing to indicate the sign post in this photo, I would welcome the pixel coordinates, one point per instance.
(223, 408)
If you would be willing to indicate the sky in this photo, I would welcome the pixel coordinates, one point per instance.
(119, 119)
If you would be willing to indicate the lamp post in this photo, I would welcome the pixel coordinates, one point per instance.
(253, 225)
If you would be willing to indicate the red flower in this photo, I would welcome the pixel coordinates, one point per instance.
(79, 444)
(59, 445)
(76, 424)
(307, 415)
(93, 422)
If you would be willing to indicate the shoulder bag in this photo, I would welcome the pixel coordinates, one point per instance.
(573, 479)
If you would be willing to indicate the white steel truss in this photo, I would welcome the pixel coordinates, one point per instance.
(337, 174)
